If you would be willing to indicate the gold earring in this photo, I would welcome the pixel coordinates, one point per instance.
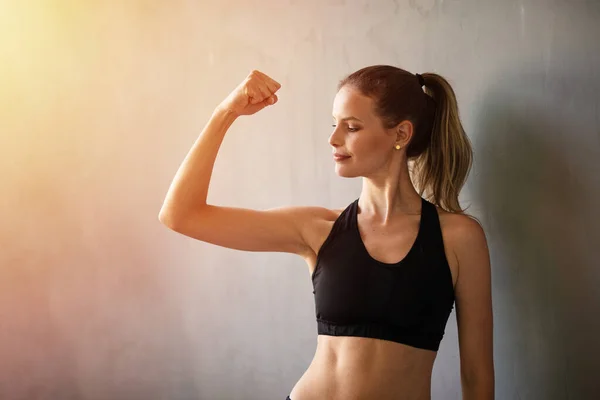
(398, 147)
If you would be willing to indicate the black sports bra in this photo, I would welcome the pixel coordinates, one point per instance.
(356, 295)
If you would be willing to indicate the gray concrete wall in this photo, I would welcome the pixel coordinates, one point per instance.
(100, 102)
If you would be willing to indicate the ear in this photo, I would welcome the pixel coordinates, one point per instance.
(404, 132)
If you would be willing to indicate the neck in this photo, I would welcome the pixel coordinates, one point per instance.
(386, 195)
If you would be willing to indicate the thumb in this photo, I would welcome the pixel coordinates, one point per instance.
(269, 101)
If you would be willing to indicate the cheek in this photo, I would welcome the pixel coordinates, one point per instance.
(369, 147)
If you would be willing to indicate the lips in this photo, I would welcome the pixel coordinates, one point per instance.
(340, 157)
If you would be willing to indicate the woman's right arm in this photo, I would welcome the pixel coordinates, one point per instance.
(185, 210)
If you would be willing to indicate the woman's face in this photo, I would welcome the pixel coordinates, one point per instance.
(359, 134)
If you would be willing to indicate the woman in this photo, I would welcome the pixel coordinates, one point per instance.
(388, 268)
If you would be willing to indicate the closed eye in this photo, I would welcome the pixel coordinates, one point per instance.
(349, 128)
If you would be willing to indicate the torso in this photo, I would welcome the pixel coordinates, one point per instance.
(358, 368)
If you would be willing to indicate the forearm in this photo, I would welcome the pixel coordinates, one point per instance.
(482, 390)
(189, 188)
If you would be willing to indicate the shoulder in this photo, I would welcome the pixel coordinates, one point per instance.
(463, 227)
(315, 223)
(322, 217)
(312, 214)
(316, 229)
(463, 234)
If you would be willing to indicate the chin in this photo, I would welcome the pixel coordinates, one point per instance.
(345, 172)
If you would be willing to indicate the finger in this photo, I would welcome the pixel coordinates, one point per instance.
(261, 86)
(257, 86)
(254, 97)
(273, 85)
(269, 101)
(268, 79)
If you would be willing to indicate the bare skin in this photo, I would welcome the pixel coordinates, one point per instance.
(356, 368)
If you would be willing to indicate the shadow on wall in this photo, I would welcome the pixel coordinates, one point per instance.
(537, 176)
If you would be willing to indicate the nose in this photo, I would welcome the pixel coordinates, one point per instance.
(335, 138)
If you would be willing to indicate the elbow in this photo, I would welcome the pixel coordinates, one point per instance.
(167, 218)
(174, 218)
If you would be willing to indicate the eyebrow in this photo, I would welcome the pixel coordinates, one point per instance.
(348, 118)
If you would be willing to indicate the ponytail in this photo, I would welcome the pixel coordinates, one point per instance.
(443, 166)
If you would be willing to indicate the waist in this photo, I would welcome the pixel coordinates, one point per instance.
(359, 368)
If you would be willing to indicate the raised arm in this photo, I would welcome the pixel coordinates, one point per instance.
(185, 208)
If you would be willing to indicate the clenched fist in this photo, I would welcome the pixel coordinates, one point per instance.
(252, 95)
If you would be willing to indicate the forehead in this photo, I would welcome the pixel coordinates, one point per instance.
(350, 102)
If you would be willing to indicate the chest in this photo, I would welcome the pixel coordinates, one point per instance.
(384, 245)
(388, 245)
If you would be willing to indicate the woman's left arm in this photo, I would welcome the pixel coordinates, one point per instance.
(473, 296)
